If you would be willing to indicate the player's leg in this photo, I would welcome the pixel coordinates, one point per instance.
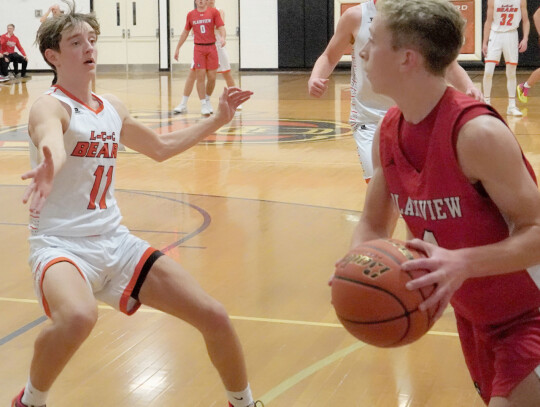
(73, 313)
(526, 394)
(523, 88)
(169, 288)
(363, 136)
(493, 57)
(210, 81)
(511, 85)
(188, 88)
(511, 56)
(489, 70)
(229, 80)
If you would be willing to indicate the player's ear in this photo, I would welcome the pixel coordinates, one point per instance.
(51, 56)
(409, 59)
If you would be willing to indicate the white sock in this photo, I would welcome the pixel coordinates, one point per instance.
(203, 102)
(240, 398)
(487, 100)
(34, 397)
(526, 85)
(185, 99)
(207, 97)
(511, 102)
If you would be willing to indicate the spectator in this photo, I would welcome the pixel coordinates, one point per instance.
(8, 42)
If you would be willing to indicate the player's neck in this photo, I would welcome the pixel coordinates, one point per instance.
(81, 89)
(202, 10)
(417, 99)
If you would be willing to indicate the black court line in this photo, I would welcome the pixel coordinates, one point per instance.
(22, 330)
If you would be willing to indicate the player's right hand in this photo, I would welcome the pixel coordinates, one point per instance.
(317, 86)
(41, 185)
(176, 54)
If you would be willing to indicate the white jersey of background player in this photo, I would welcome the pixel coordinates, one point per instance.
(367, 107)
(501, 37)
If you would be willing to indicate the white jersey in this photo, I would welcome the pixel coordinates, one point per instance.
(367, 107)
(506, 15)
(82, 201)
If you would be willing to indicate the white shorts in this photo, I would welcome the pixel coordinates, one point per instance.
(111, 264)
(363, 135)
(505, 43)
(224, 64)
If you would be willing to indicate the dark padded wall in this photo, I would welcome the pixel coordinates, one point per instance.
(304, 29)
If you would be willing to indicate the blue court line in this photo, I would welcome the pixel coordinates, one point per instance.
(22, 330)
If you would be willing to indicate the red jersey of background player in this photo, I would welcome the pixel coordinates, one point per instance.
(203, 24)
(441, 206)
(8, 44)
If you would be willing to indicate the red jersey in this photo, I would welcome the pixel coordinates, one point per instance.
(203, 24)
(8, 44)
(440, 205)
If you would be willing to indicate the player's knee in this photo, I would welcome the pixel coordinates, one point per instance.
(78, 322)
(217, 320)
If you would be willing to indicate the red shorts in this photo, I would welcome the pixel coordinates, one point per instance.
(205, 57)
(499, 357)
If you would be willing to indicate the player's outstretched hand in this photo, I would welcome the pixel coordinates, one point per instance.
(317, 86)
(41, 185)
(229, 101)
(447, 271)
(475, 93)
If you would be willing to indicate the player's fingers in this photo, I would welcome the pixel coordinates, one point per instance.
(28, 193)
(29, 174)
(423, 281)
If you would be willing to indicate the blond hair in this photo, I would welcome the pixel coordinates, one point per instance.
(432, 27)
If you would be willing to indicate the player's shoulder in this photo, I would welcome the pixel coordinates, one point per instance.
(118, 105)
(353, 13)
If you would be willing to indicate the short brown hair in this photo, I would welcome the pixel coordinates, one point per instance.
(50, 32)
(432, 27)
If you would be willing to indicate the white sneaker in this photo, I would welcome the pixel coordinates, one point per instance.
(209, 106)
(4, 78)
(181, 108)
(513, 111)
(206, 109)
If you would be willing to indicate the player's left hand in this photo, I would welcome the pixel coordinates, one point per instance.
(523, 45)
(223, 42)
(447, 271)
(229, 100)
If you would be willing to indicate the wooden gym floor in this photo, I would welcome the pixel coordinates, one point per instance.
(259, 214)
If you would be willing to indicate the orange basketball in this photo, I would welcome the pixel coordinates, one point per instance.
(370, 298)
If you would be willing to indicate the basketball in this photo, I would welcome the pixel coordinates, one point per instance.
(370, 297)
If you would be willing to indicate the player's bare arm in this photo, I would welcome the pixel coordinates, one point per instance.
(223, 35)
(379, 215)
(536, 18)
(458, 78)
(47, 122)
(346, 31)
(526, 26)
(163, 146)
(181, 40)
(487, 25)
(503, 174)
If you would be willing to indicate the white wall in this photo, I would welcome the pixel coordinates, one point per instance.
(258, 34)
(21, 13)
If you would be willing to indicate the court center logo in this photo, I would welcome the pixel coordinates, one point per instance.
(239, 130)
(248, 130)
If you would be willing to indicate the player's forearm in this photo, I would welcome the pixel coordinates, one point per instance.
(323, 67)
(176, 142)
(458, 78)
(517, 252)
(181, 40)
